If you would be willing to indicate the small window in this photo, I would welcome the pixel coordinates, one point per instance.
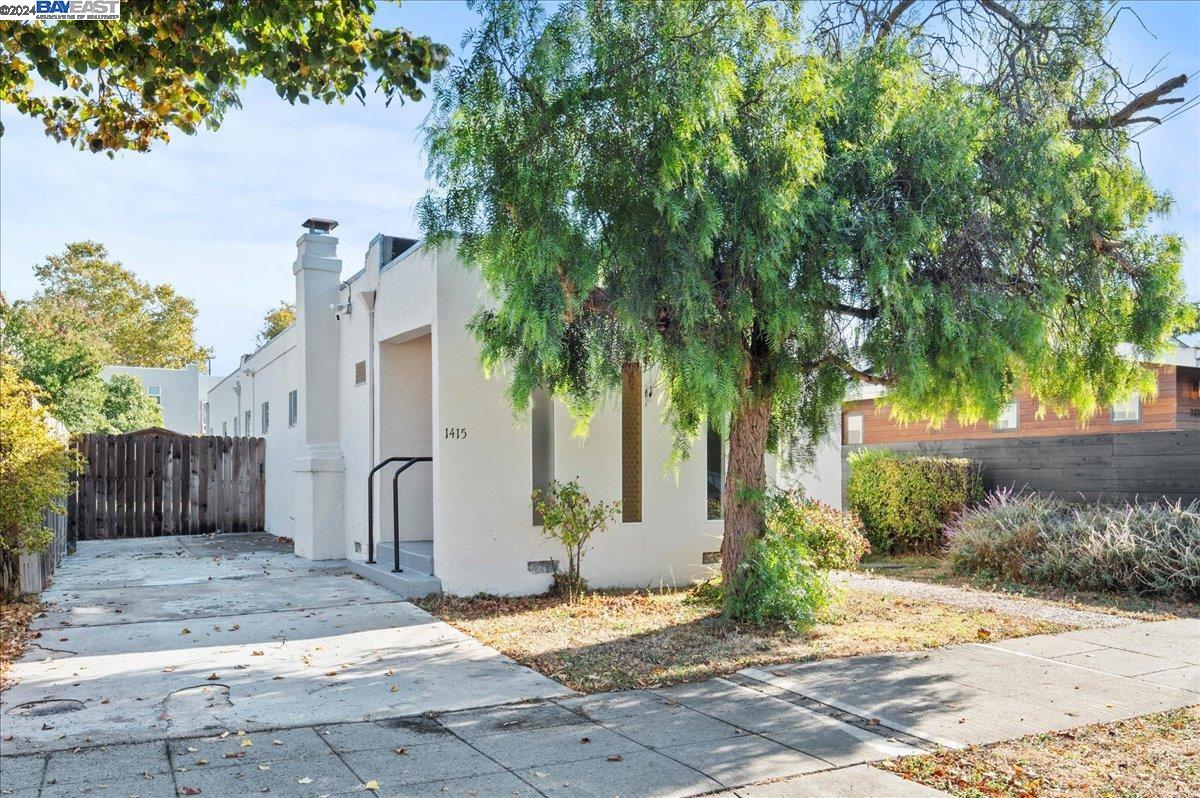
(206, 423)
(715, 457)
(249, 423)
(360, 372)
(266, 417)
(1009, 418)
(1128, 411)
(854, 428)
(293, 408)
(154, 392)
(225, 428)
(236, 429)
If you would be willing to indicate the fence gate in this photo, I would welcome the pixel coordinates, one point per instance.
(155, 482)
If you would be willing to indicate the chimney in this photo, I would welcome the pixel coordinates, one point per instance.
(320, 470)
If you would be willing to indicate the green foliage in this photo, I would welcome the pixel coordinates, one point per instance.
(569, 517)
(34, 465)
(117, 85)
(121, 319)
(126, 406)
(765, 219)
(834, 539)
(1139, 549)
(275, 321)
(905, 502)
(90, 312)
(778, 582)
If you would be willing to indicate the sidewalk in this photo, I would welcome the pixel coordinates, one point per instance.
(793, 730)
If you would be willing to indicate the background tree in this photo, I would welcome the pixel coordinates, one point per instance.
(127, 407)
(768, 216)
(131, 322)
(276, 320)
(125, 84)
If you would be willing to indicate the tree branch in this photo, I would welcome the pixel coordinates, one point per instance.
(1128, 114)
(897, 11)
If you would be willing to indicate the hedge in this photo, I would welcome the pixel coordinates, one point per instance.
(906, 501)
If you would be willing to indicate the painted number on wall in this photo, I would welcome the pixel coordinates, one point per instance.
(456, 433)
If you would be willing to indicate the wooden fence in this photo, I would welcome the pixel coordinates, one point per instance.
(156, 482)
(1105, 467)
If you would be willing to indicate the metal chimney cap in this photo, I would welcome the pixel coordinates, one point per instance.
(319, 226)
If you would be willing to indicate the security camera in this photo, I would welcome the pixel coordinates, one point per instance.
(340, 309)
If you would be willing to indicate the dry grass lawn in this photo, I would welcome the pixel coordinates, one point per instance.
(628, 639)
(14, 632)
(1157, 755)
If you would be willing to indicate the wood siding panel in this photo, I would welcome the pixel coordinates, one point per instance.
(1160, 413)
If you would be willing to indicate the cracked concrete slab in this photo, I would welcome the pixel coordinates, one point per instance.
(221, 633)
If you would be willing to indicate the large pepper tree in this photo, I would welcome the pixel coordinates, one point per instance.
(768, 205)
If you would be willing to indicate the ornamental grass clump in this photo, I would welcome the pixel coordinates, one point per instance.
(1138, 549)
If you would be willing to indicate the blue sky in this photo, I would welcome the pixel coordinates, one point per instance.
(217, 214)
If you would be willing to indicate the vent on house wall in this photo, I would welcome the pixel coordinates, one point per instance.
(360, 372)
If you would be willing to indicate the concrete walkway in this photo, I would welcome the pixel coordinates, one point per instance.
(790, 730)
(161, 637)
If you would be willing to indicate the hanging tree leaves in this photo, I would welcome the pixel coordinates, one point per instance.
(125, 84)
(768, 212)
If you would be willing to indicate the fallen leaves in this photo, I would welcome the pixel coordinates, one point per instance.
(212, 677)
(372, 785)
(190, 790)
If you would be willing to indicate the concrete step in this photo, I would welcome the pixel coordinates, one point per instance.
(415, 555)
(408, 584)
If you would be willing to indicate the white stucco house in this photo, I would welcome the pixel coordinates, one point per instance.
(379, 364)
(181, 393)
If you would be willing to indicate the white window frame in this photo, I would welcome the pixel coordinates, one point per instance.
(862, 428)
(249, 423)
(1014, 410)
(1128, 411)
(155, 393)
(293, 408)
(266, 417)
(225, 428)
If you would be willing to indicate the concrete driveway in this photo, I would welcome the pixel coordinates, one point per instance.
(168, 637)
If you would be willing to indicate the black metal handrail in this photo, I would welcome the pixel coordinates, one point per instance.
(395, 504)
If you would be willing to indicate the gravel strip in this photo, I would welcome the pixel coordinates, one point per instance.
(974, 599)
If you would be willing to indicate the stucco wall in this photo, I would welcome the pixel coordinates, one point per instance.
(267, 376)
(179, 393)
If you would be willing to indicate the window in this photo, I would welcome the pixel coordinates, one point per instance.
(249, 425)
(206, 423)
(542, 433)
(236, 429)
(154, 392)
(1128, 411)
(1009, 418)
(266, 417)
(715, 457)
(360, 372)
(225, 428)
(854, 428)
(293, 408)
(631, 443)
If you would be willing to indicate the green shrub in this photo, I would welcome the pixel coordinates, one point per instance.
(834, 539)
(904, 501)
(569, 517)
(1139, 549)
(778, 583)
(998, 538)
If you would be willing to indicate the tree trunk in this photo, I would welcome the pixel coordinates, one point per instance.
(745, 480)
